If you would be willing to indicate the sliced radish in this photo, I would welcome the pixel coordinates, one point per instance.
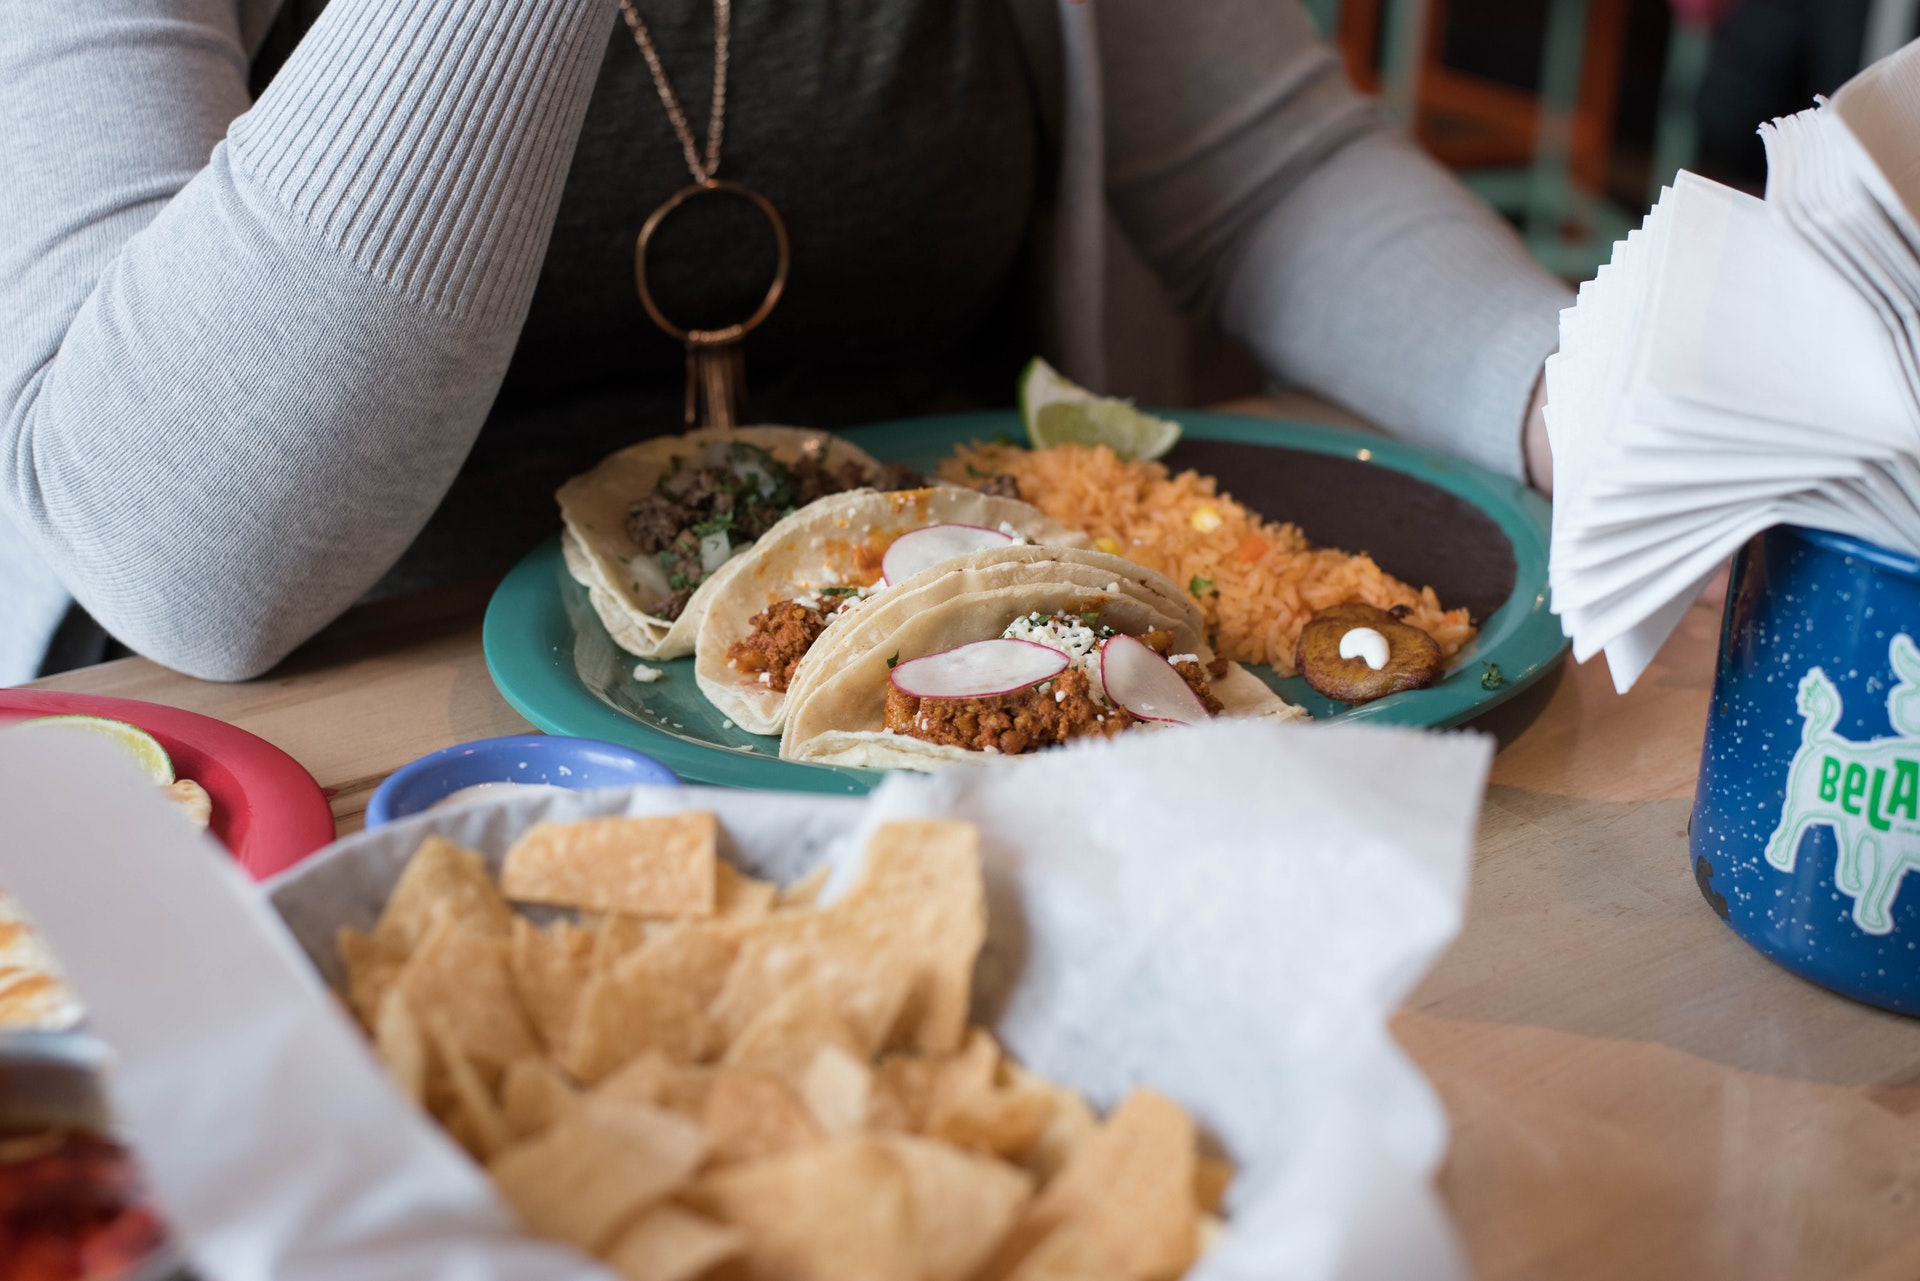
(1146, 684)
(979, 670)
(923, 548)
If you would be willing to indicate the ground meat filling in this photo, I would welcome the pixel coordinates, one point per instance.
(779, 637)
(740, 498)
(1045, 715)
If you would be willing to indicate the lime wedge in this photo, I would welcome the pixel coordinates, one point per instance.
(1058, 412)
(142, 747)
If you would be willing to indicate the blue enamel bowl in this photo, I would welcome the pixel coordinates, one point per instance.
(582, 764)
(1806, 818)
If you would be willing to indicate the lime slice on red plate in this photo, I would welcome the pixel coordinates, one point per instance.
(143, 748)
(1059, 412)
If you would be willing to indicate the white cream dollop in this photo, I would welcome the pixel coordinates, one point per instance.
(1364, 642)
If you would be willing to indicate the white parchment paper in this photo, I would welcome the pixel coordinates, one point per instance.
(1226, 913)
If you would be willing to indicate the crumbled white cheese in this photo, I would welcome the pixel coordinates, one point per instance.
(647, 674)
(1184, 658)
(1071, 635)
(1059, 695)
(815, 597)
(1113, 586)
(1019, 539)
(726, 724)
(766, 678)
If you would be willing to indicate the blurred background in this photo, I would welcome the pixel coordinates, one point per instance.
(1568, 115)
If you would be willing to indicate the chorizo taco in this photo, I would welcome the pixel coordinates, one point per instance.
(651, 530)
(1011, 671)
(840, 557)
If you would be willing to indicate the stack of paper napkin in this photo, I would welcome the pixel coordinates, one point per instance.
(1740, 364)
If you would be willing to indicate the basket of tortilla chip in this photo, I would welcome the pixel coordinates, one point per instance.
(1117, 1014)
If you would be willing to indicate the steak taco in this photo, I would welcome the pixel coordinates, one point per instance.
(840, 557)
(1010, 671)
(651, 530)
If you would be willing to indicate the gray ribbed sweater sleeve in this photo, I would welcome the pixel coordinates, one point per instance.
(239, 374)
(1263, 189)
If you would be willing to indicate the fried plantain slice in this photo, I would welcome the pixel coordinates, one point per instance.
(1413, 657)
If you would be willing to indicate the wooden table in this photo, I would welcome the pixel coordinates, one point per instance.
(1635, 1093)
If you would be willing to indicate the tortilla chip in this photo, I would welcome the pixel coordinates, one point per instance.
(549, 968)
(640, 866)
(921, 882)
(962, 1205)
(750, 1115)
(584, 1178)
(668, 1243)
(1211, 1178)
(837, 1088)
(902, 1089)
(837, 1211)
(1068, 1253)
(655, 1079)
(1005, 1121)
(533, 1095)
(864, 977)
(402, 1046)
(485, 1128)
(654, 998)
(614, 936)
(805, 892)
(1129, 1188)
(960, 1076)
(441, 882)
(371, 967)
(788, 1033)
(461, 976)
(1071, 1122)
(739, 897)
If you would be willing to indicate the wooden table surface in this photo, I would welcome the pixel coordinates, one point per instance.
(1634, 1092)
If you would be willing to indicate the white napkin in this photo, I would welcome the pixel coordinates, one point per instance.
(1227, 913)
(1741, 364)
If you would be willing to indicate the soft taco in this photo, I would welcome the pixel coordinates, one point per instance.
(840, 557)
(651, 531)
(1013, 670)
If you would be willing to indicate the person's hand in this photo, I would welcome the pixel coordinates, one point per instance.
(1536, 449)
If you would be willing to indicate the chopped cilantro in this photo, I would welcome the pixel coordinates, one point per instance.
(1491, 678)
(894, 660)
(1091, 618)
(720, 521)
(1198, 586)
(679, 582)
(838, 591)
(1003, 438)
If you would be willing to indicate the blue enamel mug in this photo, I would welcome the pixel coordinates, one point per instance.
(1806, 818)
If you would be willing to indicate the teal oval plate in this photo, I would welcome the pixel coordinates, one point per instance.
(555, 663)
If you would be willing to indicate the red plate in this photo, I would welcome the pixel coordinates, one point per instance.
(266, 809)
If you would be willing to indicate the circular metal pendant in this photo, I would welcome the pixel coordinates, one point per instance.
(731, 333)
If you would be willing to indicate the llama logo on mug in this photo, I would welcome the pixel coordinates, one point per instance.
(1868, 793)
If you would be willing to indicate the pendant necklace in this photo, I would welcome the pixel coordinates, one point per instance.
(716, 369)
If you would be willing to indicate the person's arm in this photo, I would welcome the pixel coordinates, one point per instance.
(239, 374)
(1263, 189)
